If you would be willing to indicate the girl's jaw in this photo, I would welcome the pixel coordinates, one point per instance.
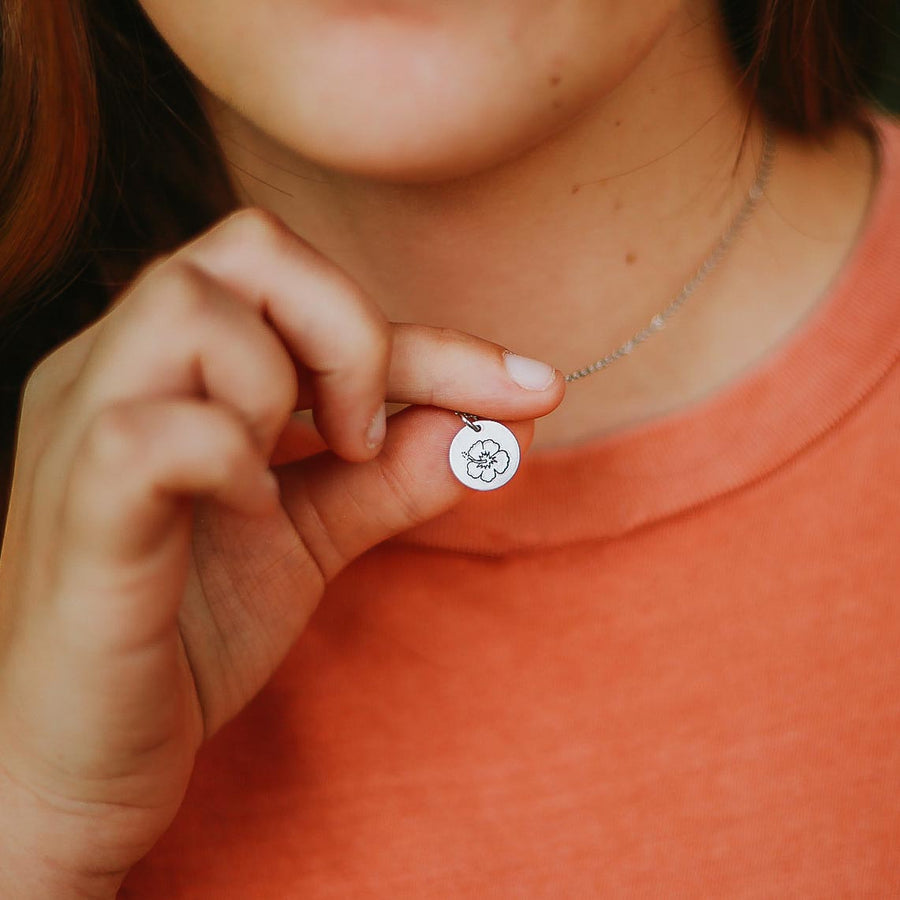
(410, 91)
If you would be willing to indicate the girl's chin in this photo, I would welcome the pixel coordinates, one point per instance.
(432, 129)
(414, 90)
(416, 149)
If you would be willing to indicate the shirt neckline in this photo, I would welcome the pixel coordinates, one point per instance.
(608, 487)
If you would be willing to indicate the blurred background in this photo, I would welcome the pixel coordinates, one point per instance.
(888, 90)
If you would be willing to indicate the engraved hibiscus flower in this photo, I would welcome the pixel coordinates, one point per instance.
(486, 460)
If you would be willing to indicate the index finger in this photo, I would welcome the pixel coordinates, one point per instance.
(324, 318)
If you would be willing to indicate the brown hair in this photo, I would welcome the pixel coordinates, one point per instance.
(106, 159)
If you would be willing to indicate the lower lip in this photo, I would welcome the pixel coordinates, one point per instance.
(386, 9)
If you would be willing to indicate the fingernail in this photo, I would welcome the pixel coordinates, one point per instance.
(377, 429)
(530, 374)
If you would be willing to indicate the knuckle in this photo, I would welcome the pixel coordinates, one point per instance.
(398, 480)
(189, 296)
(369, 334)
(255, 227)
(279, 402)
(450, 338)
(178, 291)
(380, 338)
(115, 442)
(233, 453)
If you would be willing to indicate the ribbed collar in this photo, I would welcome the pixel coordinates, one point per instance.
(610, 486)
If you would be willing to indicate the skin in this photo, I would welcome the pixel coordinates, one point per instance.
(540, 174)
(548, 180)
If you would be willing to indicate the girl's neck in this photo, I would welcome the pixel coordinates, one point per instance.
(565, 251)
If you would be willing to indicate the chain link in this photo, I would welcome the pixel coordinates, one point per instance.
(658, 322)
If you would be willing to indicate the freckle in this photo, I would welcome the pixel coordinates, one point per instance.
(555, 80)
(630, 258)
(576, 188)
(557, 104)
(618, 122)
(617, 205)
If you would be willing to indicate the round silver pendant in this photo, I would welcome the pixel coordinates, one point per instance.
(486, 456)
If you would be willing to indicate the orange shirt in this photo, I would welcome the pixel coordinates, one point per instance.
(665, 664)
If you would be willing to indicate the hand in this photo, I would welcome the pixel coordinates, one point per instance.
(151, 576)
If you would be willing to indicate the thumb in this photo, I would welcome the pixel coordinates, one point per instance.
(342, 509)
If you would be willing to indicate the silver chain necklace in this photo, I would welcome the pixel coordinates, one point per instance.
(488, 460)
(658, 322)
